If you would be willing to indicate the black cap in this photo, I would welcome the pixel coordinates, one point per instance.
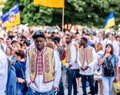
(38, 33)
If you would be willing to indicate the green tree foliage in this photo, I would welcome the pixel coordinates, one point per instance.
(94, 12)
(85, 12)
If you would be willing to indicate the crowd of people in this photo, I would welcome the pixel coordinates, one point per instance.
(47, 63)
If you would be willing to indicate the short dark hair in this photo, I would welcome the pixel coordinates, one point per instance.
(27, 43)
(84, 39)
(117, 36)
(20, 53)
(9, 38)
(1, 38)
(13, 42)
(56, 39)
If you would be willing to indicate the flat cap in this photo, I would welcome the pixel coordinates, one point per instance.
(38, 33)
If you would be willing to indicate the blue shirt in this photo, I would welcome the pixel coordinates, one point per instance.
(20, 68)
(89, 43)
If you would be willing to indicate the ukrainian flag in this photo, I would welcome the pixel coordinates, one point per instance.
(12, 17)
(110, 21)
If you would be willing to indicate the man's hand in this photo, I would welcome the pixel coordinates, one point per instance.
(86, 67)
(29, 84)
(54, 88)
(69, 67)
(116, 79)
(82, 68)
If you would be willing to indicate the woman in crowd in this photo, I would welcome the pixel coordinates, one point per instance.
(20, 67)
(9, 53)
(98, 69)
(110, 71)
(26, 45)
(15, 47)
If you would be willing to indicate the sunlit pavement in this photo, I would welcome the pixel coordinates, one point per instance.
(79, 91)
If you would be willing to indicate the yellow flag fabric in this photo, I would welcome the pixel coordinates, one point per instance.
(12, 17)
(64, 62)
(110, 21)
(50, 3)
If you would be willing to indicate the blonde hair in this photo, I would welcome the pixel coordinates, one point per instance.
(18, 46)
(50, 44)
(98, 47)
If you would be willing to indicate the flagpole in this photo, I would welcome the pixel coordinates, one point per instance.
(63, 11)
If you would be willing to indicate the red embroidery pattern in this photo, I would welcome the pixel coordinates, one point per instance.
(40, 63)
(46, 60)
(32, 63)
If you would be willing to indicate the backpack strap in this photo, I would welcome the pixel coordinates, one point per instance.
(13, 68)
(22, 73)
(110, 59)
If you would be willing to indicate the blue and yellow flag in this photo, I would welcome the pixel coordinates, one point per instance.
(12, 17)
(110, 21)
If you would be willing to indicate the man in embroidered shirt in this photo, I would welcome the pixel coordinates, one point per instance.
(86, 60)
(71, 65)
(43, 70)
